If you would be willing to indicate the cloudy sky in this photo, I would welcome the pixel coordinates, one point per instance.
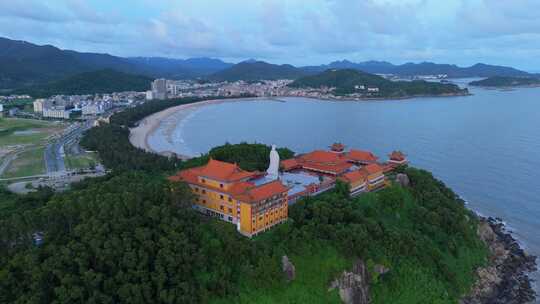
(300, 32)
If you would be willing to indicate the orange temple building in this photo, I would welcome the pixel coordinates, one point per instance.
(397, 158)
(358, 168)
(257, 201)
(240, 197)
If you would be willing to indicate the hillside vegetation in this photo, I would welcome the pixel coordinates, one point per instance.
(25, 64)
(346, 81)
(132, 237)
(95, 82)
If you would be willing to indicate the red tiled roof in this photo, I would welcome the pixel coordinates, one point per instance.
(289, 164)
(223, 171)
(320, 156)
(354, 176)
(243, 190)
(335, 169)
(373, 169)
(241, 187)
(263, 191)
(359, 155)
(397, 155)
(188, 175)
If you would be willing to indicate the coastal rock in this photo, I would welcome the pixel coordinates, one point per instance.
(487, 280)
(505, 279)
(403, 180)
(288, 268)
(498, 252)
(353, 286)
(485, 233)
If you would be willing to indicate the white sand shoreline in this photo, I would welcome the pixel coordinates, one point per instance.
(147, 126)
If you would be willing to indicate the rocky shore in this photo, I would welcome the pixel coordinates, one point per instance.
(505, 278)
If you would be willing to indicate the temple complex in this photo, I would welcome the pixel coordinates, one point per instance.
(257, 201)
(244, 198)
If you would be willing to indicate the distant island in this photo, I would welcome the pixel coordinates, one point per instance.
(357, 84)
(506, 81)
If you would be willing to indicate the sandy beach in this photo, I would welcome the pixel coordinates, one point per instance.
(148, 126)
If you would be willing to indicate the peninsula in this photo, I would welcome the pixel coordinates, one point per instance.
(353, 84)
(507, 82)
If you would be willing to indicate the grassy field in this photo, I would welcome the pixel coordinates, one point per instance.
(80, 162)
(28, 137)
(16, 131)
(27, 163)
(314, 273)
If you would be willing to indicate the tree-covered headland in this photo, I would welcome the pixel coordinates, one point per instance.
(348, 81)
(131, 237)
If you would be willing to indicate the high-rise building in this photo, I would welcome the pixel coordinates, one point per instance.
(159, 88)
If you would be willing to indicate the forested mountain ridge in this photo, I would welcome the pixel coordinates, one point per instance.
(181, 68)
(26, 64)
(423, 68)
(257, 70)
(23, 63)
(94, 82)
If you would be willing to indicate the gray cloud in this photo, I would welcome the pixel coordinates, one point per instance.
(297, 31)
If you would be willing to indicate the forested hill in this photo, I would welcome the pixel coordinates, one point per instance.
(257, 70)
(500, 81)
(95, 82)
(25, 64)
(349, 81)
(132, 237)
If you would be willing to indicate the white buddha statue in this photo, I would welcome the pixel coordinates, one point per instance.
(273, 168)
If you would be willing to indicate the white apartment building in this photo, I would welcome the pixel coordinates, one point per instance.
(56, 112)
(96, 108)
(38, 105)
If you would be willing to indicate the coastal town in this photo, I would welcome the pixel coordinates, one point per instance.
(167, 89)
(77, 106)
(257, 201)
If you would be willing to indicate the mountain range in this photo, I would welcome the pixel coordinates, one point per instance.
(26, 64)
(423, 68)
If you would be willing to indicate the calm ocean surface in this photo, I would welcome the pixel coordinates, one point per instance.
(486, 147)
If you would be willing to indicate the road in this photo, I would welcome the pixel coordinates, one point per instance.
(54, 152)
